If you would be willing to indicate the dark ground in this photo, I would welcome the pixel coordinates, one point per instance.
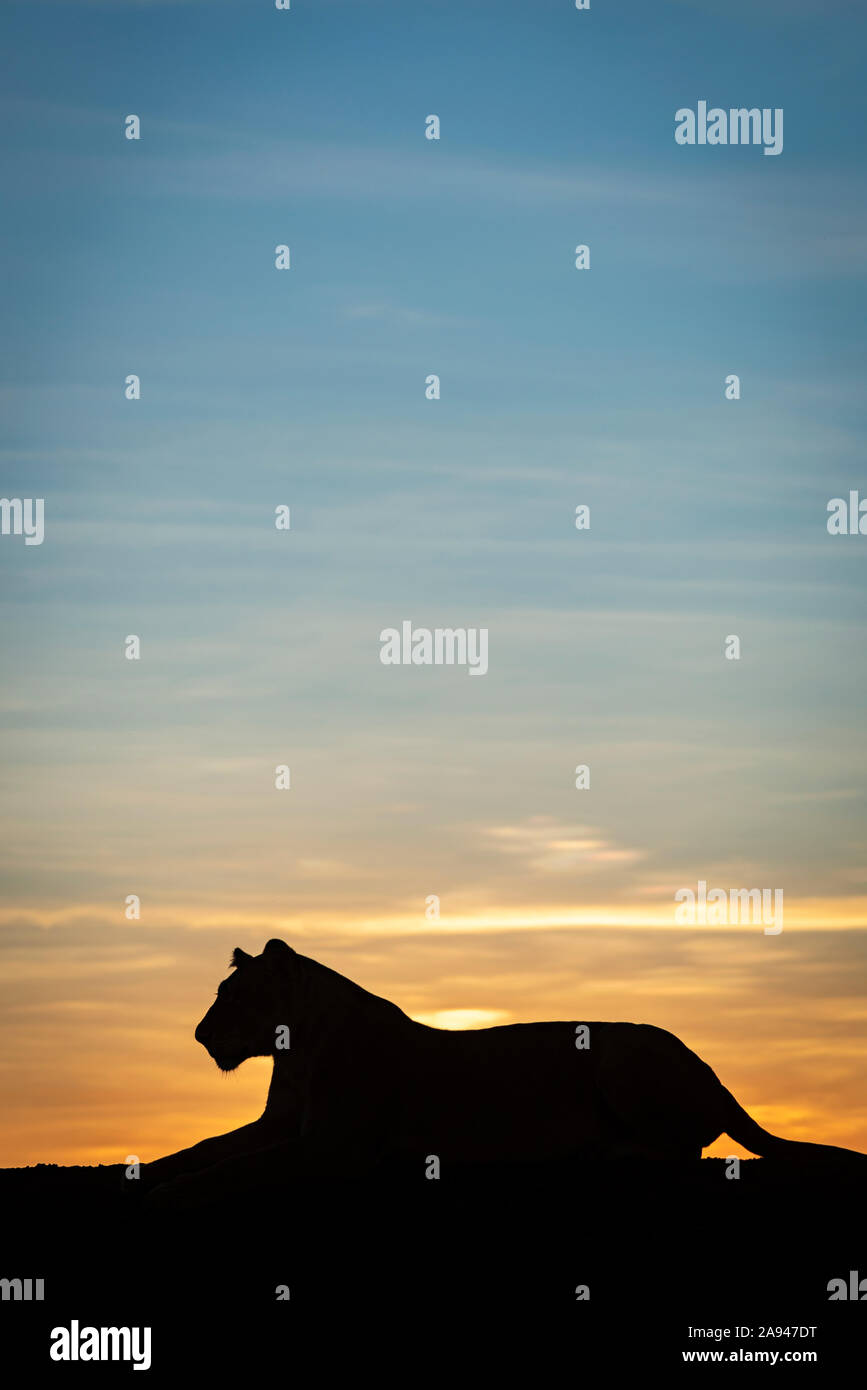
(478, 1271)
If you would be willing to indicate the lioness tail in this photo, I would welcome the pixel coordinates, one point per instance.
(745, 1130)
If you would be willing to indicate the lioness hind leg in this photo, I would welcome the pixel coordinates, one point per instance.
(659, 1094)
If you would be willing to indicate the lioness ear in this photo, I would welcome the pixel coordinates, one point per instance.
(239, 957)
(278, 949)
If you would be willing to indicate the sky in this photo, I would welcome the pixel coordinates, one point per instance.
(306, 388)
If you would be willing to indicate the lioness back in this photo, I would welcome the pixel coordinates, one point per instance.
(529, 1090)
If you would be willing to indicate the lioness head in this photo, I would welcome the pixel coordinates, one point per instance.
(249, 1007)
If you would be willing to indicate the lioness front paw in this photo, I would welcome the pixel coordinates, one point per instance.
(190, 1192)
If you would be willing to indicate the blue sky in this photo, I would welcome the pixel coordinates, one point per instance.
(558, 387)
(306, 388)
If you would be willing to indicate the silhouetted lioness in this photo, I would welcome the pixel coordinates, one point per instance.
(356, 1082)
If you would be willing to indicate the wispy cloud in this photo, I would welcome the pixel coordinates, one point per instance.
(550, 847)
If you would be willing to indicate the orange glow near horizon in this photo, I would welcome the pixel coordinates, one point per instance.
(800, 914)
(99, 1060)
